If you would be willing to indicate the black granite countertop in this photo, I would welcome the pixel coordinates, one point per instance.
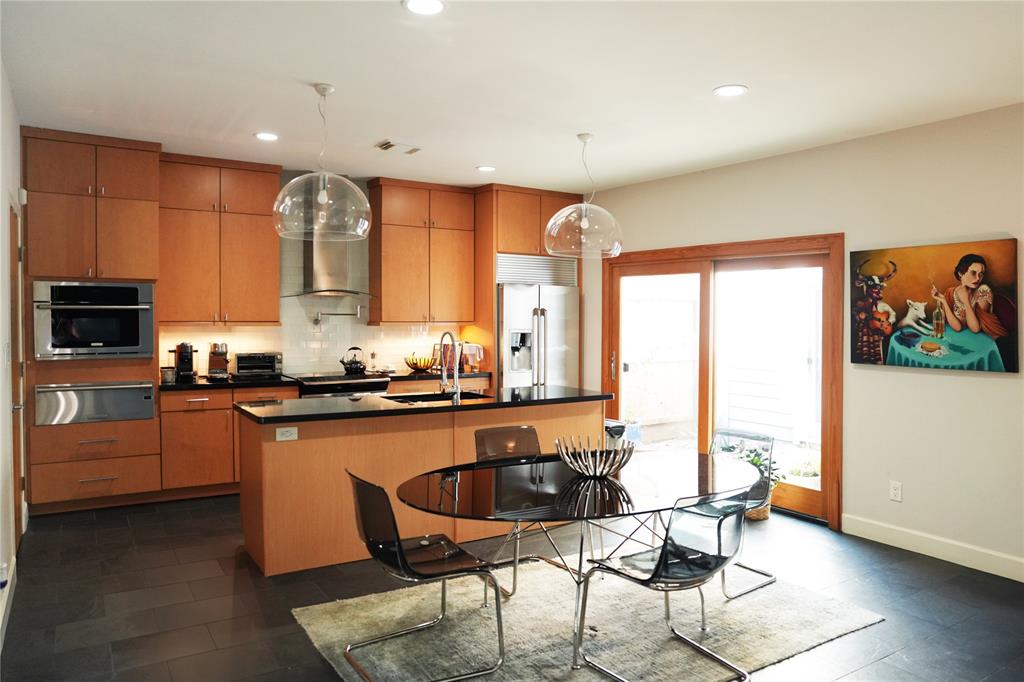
(434, 376)
(202, 384)
(320, 409)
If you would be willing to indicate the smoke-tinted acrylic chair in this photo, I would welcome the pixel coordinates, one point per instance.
(696, 548)
(422, 559)
(746, 446)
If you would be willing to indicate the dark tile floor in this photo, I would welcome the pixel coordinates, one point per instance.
(163, 592)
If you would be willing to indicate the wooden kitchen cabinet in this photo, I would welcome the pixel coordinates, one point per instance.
(127, 173)
(60, 167)
(451, 276)
(196, 448)
(127, 239)
(247, 191)
(189, 286)
(250, 269)
(189, 186)
(404, 274)
(407, 206)
(451, 210)
(61, 235)
(518, 223)
(62, 481)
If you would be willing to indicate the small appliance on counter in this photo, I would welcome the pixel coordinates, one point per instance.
(257, 366)
(217, 369)
(352, 363)
(321, 385)
(184, 364)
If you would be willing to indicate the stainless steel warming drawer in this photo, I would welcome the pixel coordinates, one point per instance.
(95, 402)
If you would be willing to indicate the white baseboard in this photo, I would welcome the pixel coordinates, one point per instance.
(6, 600)
(972, 556)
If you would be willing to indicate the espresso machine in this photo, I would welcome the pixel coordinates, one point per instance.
(217, 369)
(184, 364)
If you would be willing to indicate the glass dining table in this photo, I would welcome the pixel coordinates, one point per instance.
(534, 491)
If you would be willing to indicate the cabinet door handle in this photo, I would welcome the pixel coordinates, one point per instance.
(96, 441)
(215, 206)
(225, 317)
(225, 208)
(265, 397)
(103, 189)
(88, 190)
(197, 400)
(215, 317)
(88, 273)
(98, 478)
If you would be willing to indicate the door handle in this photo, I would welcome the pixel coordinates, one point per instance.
(98, 478)
(97, 441)
(197, 400)
(17, 408)
(544, 361)
(535, 348)
(613, 365)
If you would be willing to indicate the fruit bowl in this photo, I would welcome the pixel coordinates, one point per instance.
(419, 364)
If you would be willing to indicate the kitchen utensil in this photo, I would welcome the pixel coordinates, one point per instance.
(419, 364)
(352, 363)
(593, 462)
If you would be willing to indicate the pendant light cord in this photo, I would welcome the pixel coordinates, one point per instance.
(593, 188)
(322, 108)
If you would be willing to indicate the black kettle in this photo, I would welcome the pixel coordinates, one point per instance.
(353, 364)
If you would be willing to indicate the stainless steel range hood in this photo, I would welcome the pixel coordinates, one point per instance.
(324, 268)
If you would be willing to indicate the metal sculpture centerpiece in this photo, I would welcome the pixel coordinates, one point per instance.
(593, 462)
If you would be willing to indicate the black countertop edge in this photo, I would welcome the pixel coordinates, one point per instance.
(369, 406)
(436, 376)
(204, 385)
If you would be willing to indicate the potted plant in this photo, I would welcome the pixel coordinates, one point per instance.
(758, 457)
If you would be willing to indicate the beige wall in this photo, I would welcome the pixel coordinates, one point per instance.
(955, 439)
(10, 176)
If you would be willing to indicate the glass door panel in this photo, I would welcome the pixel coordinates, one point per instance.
(767, 367)
(659, 358)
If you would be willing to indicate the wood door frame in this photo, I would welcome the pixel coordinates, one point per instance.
(17, 380)
(832, 247)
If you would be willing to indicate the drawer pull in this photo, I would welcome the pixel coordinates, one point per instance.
(197, 400)
(95, 441)
(265, 397)
(98, 479)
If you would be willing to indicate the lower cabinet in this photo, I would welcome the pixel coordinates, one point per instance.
(62, 481)
(196, 448)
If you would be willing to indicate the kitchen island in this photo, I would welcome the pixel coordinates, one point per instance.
(296, 499)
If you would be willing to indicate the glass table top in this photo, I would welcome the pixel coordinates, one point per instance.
(545, 489)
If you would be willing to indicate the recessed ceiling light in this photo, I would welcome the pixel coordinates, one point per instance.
(731, 90)
(486, 169)
(266, 137)
(425, 7)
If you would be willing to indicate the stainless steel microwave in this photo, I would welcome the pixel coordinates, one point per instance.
(90, 320)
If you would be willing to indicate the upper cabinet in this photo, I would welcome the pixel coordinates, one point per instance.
(451, 210)
(248, 191)
(219, 251)
(92, 208)
(518, 223)
(202, 187)
(421, 253)
(189, 186)
(60, 167)
(128, 173)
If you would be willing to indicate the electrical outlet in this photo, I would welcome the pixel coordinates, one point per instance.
(287, 433)
(895, 489)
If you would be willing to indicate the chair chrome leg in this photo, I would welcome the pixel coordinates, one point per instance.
(770, 578)
(350, 657)
(743, 675)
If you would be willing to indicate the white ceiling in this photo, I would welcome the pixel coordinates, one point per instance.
(508, 84)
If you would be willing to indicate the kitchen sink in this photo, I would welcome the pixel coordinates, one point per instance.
(415, 398)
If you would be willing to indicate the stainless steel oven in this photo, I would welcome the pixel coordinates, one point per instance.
(99, 402)
(83, 320)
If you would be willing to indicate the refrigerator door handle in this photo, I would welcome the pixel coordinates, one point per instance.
(535, 348)
(544, 346)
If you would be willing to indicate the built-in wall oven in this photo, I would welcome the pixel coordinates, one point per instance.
(87, 320)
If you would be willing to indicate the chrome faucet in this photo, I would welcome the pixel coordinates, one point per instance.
(452, 388)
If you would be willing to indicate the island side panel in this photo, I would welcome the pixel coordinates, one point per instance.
(250, 467)
(551, 421)
(307, 515)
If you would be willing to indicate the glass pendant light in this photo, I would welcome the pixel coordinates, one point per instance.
(322, 205)
(584, 230)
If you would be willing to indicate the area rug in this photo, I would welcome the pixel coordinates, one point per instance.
(625, 631)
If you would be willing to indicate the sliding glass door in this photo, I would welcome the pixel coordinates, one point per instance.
(767, 365)
(740, 336)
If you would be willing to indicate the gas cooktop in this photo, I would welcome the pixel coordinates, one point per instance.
(332, 378)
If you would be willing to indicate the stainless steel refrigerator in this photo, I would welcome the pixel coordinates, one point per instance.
(538, 335)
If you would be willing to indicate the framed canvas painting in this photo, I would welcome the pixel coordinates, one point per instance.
(945, 306)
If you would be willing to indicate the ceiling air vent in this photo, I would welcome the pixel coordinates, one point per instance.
(388, 145)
